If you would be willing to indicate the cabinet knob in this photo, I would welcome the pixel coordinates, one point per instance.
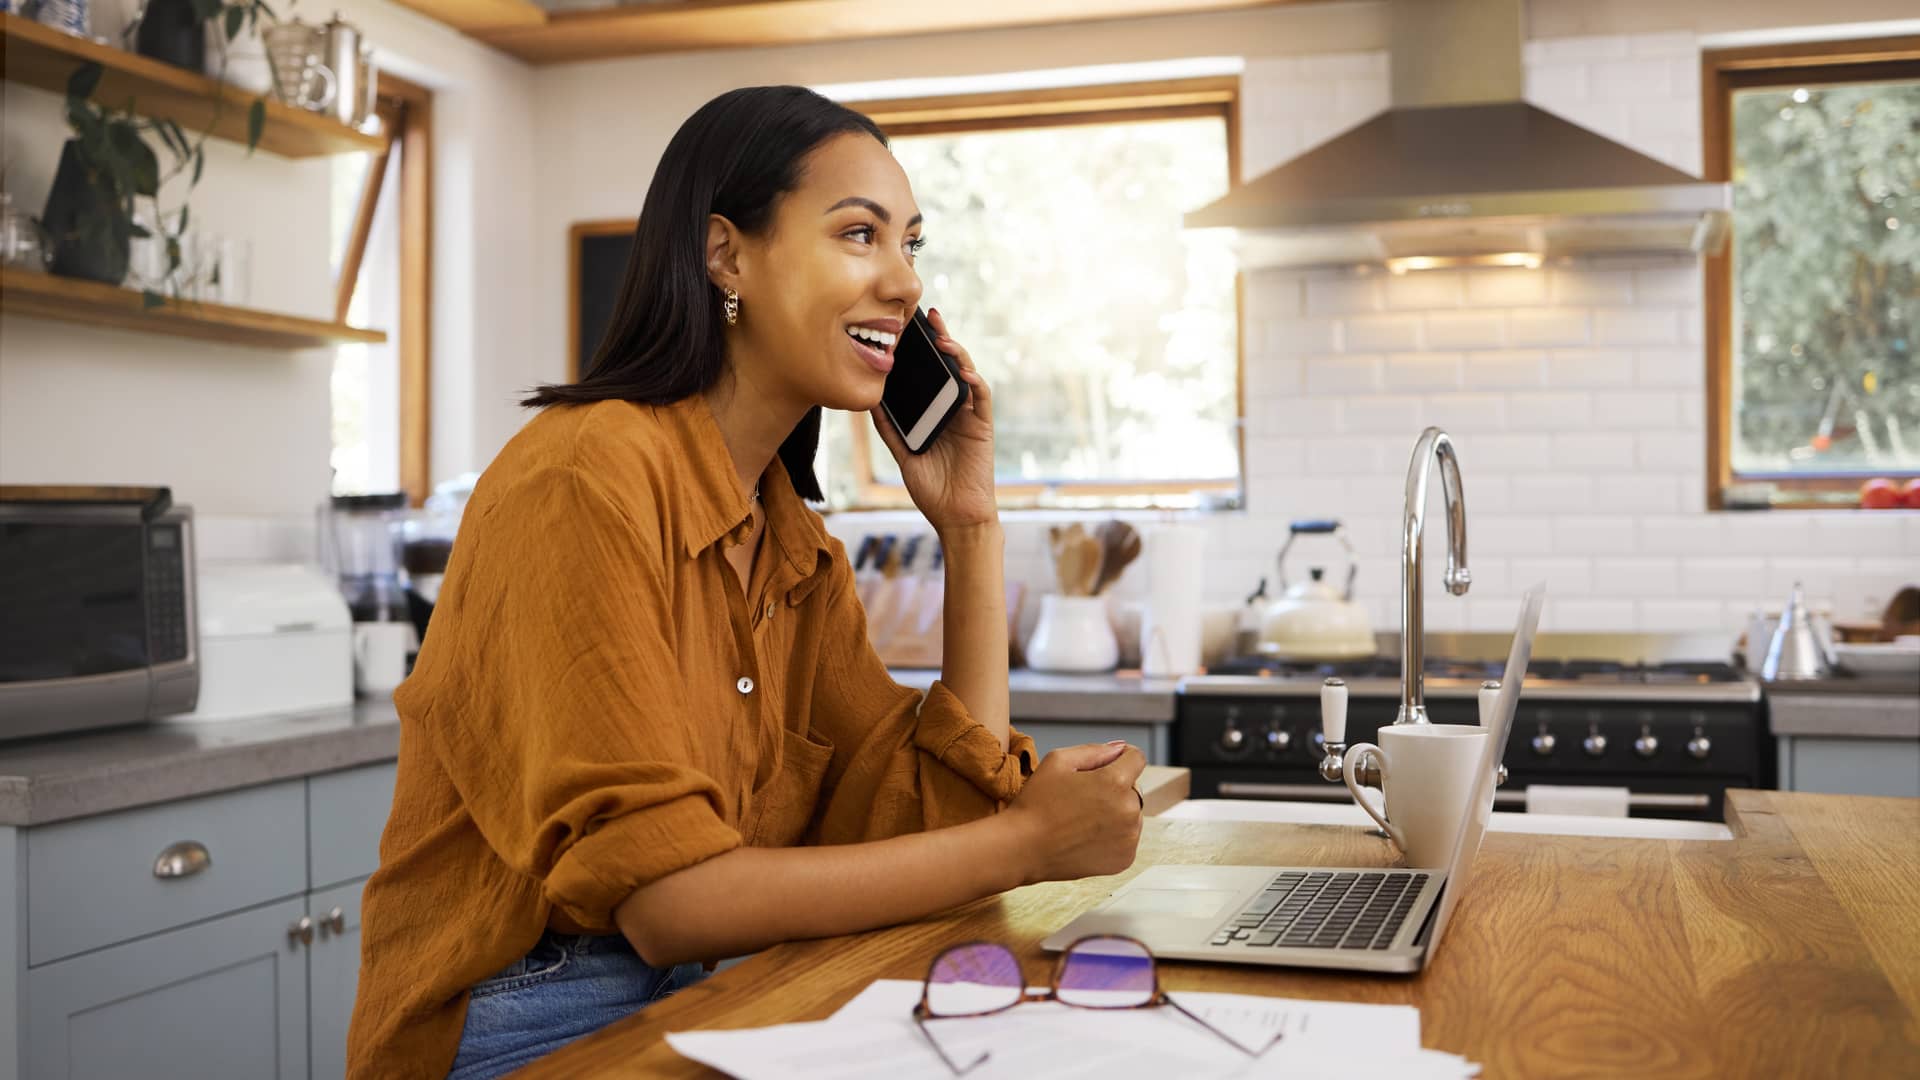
(301, 933)
(334, 920)
(184, 859)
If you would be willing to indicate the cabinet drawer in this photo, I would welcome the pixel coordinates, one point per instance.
(93, 882)
(346, 812)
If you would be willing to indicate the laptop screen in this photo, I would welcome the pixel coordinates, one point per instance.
(1473, 825)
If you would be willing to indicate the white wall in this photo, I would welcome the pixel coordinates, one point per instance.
(244, 434)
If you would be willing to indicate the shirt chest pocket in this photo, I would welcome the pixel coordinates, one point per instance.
(780, 808)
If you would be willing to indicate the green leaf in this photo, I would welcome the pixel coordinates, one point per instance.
(180, 137)
(236, 15)
(150, 300)
(141, 232)
(184, 209)
(81, 84)
(141, 169)
(206, 9)
(173, 254)
(199, 162)
(256, 122)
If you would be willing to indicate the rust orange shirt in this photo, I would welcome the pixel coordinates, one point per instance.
(598, 705)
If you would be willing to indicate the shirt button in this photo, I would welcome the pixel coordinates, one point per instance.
(745, 685)
(769, 609)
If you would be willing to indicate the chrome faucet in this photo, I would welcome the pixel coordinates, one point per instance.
(1433, 443)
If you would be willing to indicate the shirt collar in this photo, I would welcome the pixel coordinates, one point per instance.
(717, 509)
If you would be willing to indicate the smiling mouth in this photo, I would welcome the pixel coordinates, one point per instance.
(873, 346)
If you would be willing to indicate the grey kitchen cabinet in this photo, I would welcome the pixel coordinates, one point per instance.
(1050, 735)
(333, 973)
(223, 998)
(1850, 766)
(238, 961)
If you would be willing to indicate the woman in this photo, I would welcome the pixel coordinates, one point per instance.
(648, 729)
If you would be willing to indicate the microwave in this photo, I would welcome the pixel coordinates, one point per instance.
(97, 619)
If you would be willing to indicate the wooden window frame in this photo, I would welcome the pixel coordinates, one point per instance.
(1722, 73)
(406, 116)
(1169, 99)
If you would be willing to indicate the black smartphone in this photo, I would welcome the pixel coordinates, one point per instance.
(923, 390)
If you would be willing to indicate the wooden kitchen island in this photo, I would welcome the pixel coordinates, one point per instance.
(1792, 950)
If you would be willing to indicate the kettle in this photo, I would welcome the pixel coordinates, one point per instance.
(1312, 620)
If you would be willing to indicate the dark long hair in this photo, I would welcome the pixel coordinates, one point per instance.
(735, 157)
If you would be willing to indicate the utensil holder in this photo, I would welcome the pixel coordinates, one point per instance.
(1072, 635)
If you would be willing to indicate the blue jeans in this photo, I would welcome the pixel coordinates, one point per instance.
(567, 986)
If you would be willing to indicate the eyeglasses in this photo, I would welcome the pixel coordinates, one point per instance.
(1101, 971)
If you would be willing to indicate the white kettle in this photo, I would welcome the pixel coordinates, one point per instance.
(1312, 620)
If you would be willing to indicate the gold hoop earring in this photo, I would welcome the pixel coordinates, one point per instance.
(732, 307)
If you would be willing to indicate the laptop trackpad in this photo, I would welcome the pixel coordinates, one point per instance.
(1186, 903)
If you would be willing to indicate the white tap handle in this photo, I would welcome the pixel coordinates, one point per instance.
(1333, 710)
(1489, 698)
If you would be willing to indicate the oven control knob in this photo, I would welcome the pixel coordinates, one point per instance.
(1233, 740)
(1647, 745)
(1594, 744)
(1700, 746)
(1279, 740)
(1318, 740)
(1543, 744)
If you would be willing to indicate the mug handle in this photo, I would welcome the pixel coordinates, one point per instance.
(359, 648)
(1350, 768)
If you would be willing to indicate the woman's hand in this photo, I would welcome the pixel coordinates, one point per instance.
(952, 483)
(1079, 812)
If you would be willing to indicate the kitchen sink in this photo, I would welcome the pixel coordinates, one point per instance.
(1337, 813)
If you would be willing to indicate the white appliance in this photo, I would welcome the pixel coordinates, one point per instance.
(274, 638)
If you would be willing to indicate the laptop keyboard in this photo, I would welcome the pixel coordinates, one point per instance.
(1326, 910)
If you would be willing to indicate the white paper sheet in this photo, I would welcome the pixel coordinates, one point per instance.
(874, 1036)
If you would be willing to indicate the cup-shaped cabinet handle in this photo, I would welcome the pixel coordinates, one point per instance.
(182, 860)
(301, 932)
(334, 920)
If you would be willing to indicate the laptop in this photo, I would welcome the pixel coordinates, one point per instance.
(1350, 918)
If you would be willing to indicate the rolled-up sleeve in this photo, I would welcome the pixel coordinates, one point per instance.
(565, 729)
(903, 762)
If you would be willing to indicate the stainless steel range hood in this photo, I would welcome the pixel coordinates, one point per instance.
(1460, 170)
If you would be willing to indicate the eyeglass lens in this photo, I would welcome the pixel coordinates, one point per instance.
(1106, 973)
(973, 979)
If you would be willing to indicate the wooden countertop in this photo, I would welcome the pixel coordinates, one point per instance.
(1792, 950)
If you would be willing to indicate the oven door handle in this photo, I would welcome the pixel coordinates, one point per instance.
(1324, 793)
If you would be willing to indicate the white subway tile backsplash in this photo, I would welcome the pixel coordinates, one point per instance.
(1674, 286)
(1636, 493)
(1518, 369)
(1491, 495)
(1675, 43)
(1552, 493)
(1383, 333)
(1276, 456)
(1558, 410)
(1593, 534)
(1297, 336)
(1636, 326)
(1343, 457)
(1510, 287)
(1865, 533)
(1682, 616)
(1466, 329)
(1423, 371)
(1276, 294)
(1343, 66)
(1817, 577)
(1636, 577)
(1679, 534)
(1679, 369)
(1299, 415)
(1782, 533)
(1579, 450)
(1342, 294)
(1548, 85)
(1343, 374)
(1664, 450)
(1579, 285)
(1547, 326)
(1588, 367)
(1467, 416)
(1397, 414)
(1635, 410)
(1512, 454)
(1426, 290)
(1726, 577)
(1586, 47)
(1630, 80)
(1589, 615)
(1662, 120)
(1522, 535)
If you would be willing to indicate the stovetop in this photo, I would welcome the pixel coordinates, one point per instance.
(1565, 679)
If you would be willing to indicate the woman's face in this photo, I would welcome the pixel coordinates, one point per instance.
(837, 262)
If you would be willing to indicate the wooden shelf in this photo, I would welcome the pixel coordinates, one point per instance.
(44, 57)
(91, 303)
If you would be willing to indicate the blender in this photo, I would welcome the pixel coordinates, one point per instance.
(360, 544)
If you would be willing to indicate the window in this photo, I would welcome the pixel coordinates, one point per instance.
(1812, 313)
(1110, 335)
(382, 231)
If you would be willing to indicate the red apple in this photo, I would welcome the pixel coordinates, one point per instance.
(1910, 494)
(1879, 494)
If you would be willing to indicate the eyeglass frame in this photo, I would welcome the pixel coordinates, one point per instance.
(922, 1012)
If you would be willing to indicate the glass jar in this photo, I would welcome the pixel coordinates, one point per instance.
(21, 245)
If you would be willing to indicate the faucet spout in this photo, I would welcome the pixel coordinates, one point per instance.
(1434, 444)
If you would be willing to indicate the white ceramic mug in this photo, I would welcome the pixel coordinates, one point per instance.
(1426, 774)
(380, 656)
